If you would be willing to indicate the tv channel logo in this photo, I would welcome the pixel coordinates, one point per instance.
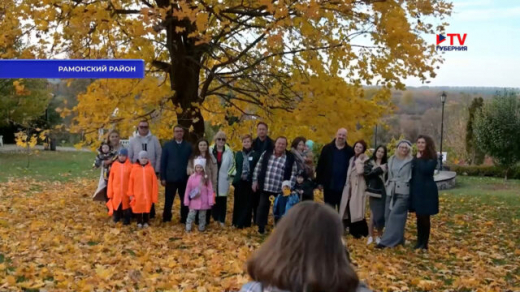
(461, 38)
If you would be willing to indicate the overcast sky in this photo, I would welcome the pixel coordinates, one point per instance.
(493, 40)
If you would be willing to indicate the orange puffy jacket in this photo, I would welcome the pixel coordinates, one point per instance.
(118, 185)
(143, 188)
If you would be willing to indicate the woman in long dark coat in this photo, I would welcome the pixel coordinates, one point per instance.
(424, 196)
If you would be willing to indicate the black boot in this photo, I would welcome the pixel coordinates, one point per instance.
(126, 216)
(419, 234)
(152, 211)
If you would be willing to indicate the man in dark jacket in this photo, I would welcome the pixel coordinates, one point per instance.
(262, 142)
(332, 168)
(174, 175)
(272, 169)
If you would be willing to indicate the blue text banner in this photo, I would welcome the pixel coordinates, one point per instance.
(76, 69)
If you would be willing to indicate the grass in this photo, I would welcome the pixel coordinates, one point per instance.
(47, 165)
(486, 192)
(485, 186)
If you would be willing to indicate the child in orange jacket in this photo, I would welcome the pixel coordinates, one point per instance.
(142, 189)
(118, 202)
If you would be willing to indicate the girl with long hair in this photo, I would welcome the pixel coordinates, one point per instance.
(375, 172)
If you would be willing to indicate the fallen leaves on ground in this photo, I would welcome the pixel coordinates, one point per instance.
(55, 237)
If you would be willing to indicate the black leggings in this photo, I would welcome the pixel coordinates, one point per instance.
(423, 230)
(142, 218)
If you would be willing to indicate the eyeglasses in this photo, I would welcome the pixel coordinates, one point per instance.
(143, 127)
(221, 139)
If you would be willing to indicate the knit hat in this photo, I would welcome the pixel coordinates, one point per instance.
(405, 142)
(200, 162)
(286, 183)
(123, 152)
(143, 155)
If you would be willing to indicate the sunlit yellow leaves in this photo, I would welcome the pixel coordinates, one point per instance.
(104, 273)
(22, 139)
(42, 25)
(202, 21)
(10, 280)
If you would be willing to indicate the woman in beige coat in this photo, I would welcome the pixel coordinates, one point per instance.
(353, 199)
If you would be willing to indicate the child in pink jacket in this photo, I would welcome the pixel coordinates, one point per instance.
(199, 195)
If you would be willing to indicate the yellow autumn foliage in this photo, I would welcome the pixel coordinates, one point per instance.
(299, 66)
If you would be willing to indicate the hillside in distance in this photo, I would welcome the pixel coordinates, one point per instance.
(418, 111)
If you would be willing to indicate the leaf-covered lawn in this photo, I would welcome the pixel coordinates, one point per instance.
(54, 237)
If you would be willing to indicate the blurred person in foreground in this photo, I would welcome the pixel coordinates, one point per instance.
(305, 252)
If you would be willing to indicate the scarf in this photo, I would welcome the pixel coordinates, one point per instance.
(245, 164)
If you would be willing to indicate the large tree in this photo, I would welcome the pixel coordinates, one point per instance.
(299, 64)
(23, 102)
(497, 129)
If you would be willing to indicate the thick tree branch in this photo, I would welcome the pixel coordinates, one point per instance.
(163, 66)
(258, 12)
(247, 49)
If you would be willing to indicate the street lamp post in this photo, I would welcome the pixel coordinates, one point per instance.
(443, 101)
(375, 138)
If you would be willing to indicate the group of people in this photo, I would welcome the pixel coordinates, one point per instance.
(393, 186)
(263, 172)
(202, 176)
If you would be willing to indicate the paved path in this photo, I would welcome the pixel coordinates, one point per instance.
(14, 148)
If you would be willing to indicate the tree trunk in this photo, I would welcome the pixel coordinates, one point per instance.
(186, 97)
(192, 117)
(184, 74)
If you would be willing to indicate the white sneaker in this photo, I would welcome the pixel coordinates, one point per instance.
(370, 240)
(378, 240)
(139, 225)
(145, 225)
